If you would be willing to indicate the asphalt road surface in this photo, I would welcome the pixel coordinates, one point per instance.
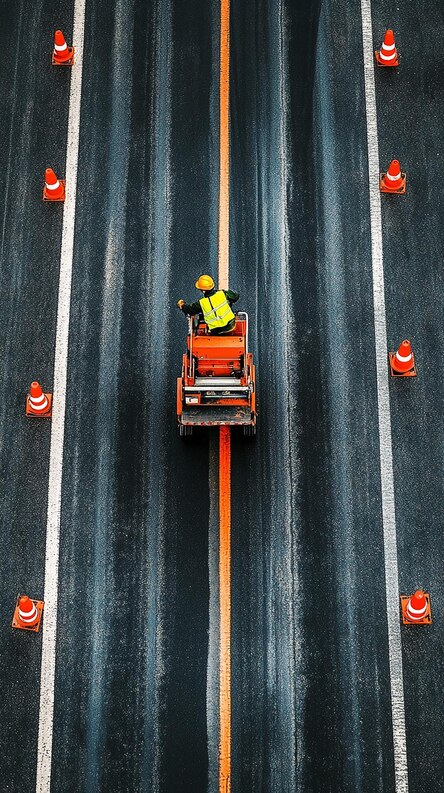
(136, 654)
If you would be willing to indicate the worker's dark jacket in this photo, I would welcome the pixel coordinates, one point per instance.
(195, 308)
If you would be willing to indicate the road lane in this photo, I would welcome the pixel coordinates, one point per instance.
(410, 103)
(384, 422)
(310, 659)
(132, 643)
(55, 474)
(34, 103)
(194, 216)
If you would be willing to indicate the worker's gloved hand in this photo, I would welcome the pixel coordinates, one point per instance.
(180, 303)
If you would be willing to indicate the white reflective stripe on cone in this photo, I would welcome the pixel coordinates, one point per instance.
(42, 406)
(403, 358)
(60, 47)
(416, 612)
(388, 46)
(38, 400)
(393, 178)
(385, 57)
(28, 619)
(52, 186)
(25, 617)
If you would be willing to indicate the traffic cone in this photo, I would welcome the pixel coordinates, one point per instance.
(388, 54)
(393, 181)
(38, 403)
(402, 362)
(54, 189)
(27, 614)
(62, 55)
(416, 609)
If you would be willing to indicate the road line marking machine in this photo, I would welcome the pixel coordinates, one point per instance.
(218, 382)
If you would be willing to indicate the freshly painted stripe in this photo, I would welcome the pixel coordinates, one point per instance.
(225, 607)
(46, 712)
(385, 440)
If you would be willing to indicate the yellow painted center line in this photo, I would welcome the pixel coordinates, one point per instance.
(224, 433)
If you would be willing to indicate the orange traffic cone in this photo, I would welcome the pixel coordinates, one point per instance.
(388, 54)
(27, 614)
(393, 181)
(416, 609)
(62, 55)
(38, 403)
(54, 189)
(402, 362)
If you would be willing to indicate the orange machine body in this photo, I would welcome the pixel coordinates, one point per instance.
(218, 381)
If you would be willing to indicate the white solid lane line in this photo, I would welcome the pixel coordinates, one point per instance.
(385, 437)
(46, 711)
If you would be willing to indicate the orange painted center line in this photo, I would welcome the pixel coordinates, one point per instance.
(225, 607)
(224, 434)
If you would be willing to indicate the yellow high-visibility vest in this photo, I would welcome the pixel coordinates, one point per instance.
(216, 310)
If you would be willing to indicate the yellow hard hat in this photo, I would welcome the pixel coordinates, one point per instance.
(205, 283)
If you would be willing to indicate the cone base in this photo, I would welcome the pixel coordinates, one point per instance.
(43, 414)
(68, 62)
(409, 373)
(48, 197)
(16, 622)
(400, 190)
(383, 63)
(425, 620)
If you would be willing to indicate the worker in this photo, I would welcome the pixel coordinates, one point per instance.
(215, 306)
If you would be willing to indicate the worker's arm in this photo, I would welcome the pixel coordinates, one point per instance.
(189, 309)
(231, 296)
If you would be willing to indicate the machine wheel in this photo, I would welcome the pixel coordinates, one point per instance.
(249, 430)
(185, 430)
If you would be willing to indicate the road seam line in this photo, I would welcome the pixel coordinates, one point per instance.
(384, 423)
(47, 678)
